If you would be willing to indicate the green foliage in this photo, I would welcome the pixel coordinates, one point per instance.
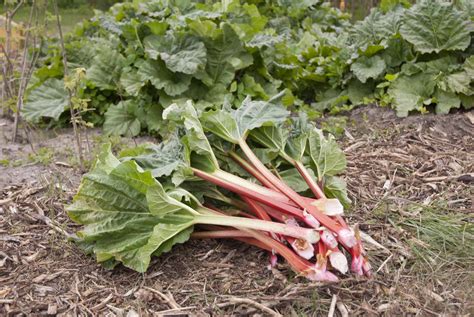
(132, 208)
(48, 100)
(44, 156)
(434, 26)
(150, 54)
(122, 223)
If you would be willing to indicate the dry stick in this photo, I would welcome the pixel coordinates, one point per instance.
(8, 27)
(342, 309)
(332, 307)
(247, 301)
(73, 116)
(167, 298)
(23, 79)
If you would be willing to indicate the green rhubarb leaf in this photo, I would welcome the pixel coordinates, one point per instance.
(106, 69)
(233, 125)
(326, 157)
(358, 91)
(297, 139)
(434, 26)
(336, 187)
(154, 117)
(467, 101)
(48, 100)
(225, 55)
(131, 82)
(272, 137)
(469, 66)
(368, 67)
(185, 54)
(118, 224)
(199, 152)
(329, 99)
(459, 83)
(156, 72)
(376, 28)
(397, 52)
(293, 178)
(162, 204)
(105, 160)
(410, 92)
(445, 101)
(122, 119)
(162, 159)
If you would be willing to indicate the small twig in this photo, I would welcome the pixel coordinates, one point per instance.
(24, 71)
(247, 301)
(12, 14)
(5, 201)
(71, 107)
(332, 307)
(6, 301)
(167, 298)
(52, 224)
(342, 309)
(102, 303)
(384, 262)
(160, 313)
(368, 239)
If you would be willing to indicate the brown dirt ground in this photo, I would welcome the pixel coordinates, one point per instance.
(393, 163)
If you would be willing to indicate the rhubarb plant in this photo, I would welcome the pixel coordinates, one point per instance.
(154, 196)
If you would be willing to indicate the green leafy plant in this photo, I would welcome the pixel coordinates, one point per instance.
(141, 57)
(155, 196)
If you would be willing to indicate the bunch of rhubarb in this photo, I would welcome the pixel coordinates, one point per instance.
(254, 174)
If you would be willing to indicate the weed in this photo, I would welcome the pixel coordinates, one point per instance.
(5, 162)
(44, 156)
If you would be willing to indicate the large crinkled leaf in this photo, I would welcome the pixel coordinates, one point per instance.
(469, 66)
(397, 52)
(162, 78)
(225, 55)
(368, 67)
(411, 92)
(376, 27)
(233, 125)
(326, 156)
(445, 101)
(254, 114)
(162, 204)
(261, 40)
(184, 54)
(329, 99)
(434, 26)
(113, 206)
(105, 160)
(106, 69)
(195, 140)
(131, 82)
(357, 91)
(48, 100)
(162, 159)
(459, 83)
(122, 119)
(272, 137)
(154, 117)
(335, 187)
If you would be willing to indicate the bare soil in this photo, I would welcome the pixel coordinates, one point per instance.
(393, 164)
